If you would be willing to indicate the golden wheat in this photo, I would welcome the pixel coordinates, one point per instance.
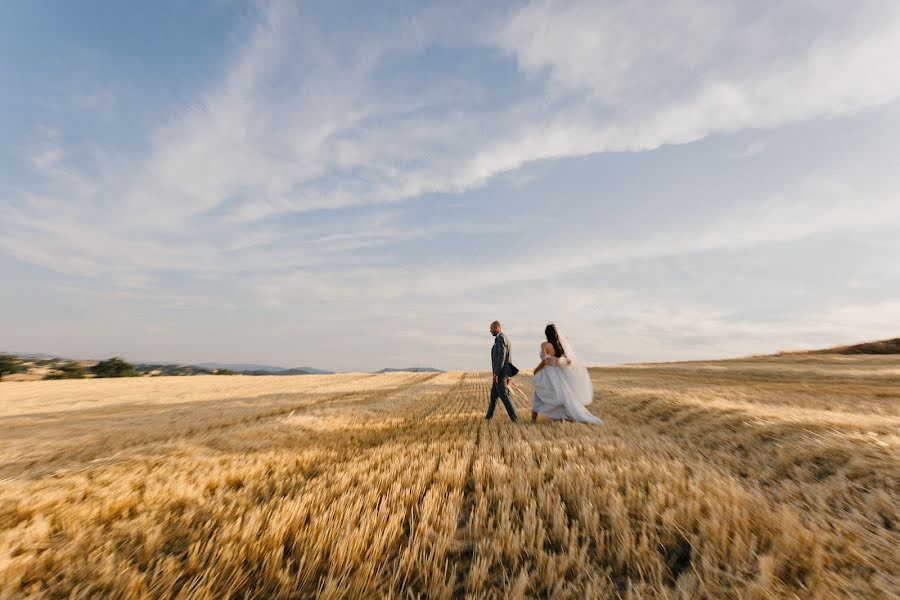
(763, 478)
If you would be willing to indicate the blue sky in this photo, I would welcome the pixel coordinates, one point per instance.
(351, 187)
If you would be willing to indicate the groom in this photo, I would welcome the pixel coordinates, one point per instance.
(502, 368)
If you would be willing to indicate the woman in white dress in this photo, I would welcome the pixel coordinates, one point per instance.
(562, 386)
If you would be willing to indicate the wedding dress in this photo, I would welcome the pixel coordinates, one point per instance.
(563, 388)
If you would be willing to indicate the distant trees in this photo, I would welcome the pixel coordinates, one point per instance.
(225, 372)
(9, 365)
(114, 367)
(68, 371)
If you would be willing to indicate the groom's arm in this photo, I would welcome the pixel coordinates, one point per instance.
(495, 359)
(501, 355)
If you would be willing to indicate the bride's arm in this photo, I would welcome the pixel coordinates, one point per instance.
(545, 361)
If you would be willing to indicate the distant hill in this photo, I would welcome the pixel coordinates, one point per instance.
(212, 366)
(169, 369)
(34, 366)
(411, 370)
(39, 365)
(297, 371)
(41, 360)
(882, 347)
(254, 369)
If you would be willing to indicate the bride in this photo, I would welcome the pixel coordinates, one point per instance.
(562, 386)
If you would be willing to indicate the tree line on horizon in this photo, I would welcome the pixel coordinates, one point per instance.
(117, 367)
(112, 367)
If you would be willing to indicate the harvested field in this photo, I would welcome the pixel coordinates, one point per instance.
(762, 478)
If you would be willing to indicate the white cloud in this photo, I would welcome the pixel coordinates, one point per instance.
(302, 122)
(647, 74)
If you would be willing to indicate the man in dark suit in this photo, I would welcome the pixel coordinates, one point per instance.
(502, 368)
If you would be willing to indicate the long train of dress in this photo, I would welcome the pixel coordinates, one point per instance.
(562, 390)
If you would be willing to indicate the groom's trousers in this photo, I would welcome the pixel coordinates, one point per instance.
(499, 390)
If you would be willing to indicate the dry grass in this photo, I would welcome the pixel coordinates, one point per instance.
(764, 478)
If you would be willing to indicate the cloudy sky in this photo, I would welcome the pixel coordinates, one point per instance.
(351, 187)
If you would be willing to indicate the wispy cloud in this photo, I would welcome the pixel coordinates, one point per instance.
(302, 122)
(647, 74)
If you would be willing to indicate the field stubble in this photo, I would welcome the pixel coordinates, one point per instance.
(757, 479)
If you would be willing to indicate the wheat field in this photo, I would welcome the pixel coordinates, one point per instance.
(758, 478)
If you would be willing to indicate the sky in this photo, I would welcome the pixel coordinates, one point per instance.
(353, 186)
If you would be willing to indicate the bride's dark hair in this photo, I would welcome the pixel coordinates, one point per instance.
(553, 338)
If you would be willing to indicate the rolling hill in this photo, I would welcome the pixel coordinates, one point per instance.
(882, 347)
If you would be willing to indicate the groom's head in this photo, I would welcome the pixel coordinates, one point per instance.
(495, 328)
